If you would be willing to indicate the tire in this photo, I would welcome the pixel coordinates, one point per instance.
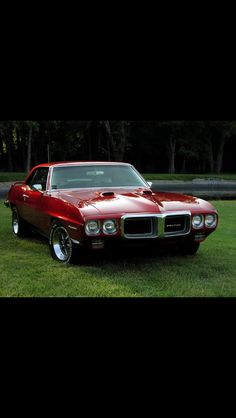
(19, 227)
(61, 246)
(189, 248)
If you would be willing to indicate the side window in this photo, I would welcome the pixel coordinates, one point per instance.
(39, 176)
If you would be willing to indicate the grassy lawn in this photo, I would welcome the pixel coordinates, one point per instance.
(28, 270)
(12, 176)
(187, 177)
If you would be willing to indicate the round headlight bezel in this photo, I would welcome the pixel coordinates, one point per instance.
(214, 220)
(95, 231)
(200, 224)
(113, 230)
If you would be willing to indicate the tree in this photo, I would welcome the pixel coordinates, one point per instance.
(216, 134)
(32, 125)
(162, 146)
(191, 155)
(117, 133)
(170, 133)
(228, 130)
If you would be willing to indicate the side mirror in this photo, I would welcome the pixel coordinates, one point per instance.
(149, 183)
(37, 187)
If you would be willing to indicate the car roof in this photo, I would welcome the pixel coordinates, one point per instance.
(71, 163)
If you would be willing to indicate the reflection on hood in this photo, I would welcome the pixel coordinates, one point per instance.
(121, 201)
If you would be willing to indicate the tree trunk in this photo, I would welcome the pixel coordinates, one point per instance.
(49, 147)
(183, 166)
(108, 149)
(89, 145)
(122, 143)
(20, 145)
(116, 147)
(9, 151)
(29, 149)
(220, 154)
(110, 140)
(1, 147)
(171, 146)
(2, 156)
(211, 158)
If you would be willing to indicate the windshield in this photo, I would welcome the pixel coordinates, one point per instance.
(73, 177)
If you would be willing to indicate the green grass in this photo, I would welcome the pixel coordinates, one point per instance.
(28, 270)
(187, 177)
(12, 176)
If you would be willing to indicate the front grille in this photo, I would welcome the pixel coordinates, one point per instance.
(161, 225)
(138, 226)
(175, 224)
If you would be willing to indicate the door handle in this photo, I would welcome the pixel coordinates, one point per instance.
(25, 196)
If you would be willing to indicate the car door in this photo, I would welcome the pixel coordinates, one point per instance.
(34, 196)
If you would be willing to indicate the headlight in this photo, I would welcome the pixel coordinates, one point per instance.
(109, 226)
(198, 221)
(210, 221)
(92, 227)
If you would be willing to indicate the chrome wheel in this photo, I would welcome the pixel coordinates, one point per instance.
(15, 222)
(19, 227)
(61, 244)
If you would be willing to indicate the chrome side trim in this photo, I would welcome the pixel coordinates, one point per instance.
(75, 241)
(158, 225)
(72, 227)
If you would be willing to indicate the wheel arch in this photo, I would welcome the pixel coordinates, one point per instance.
(75, 232)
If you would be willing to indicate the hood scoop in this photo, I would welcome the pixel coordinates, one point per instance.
(146, 192)
(107, 194)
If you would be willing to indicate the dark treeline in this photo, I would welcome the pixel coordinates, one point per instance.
(152, 146)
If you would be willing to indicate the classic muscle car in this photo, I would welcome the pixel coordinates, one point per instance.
(93, 205)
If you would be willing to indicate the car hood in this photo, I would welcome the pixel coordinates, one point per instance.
(118, 202)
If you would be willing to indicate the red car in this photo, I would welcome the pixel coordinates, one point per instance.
(93, 205)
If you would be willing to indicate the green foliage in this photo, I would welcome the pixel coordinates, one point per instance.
(152, 146)
(28, 270)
